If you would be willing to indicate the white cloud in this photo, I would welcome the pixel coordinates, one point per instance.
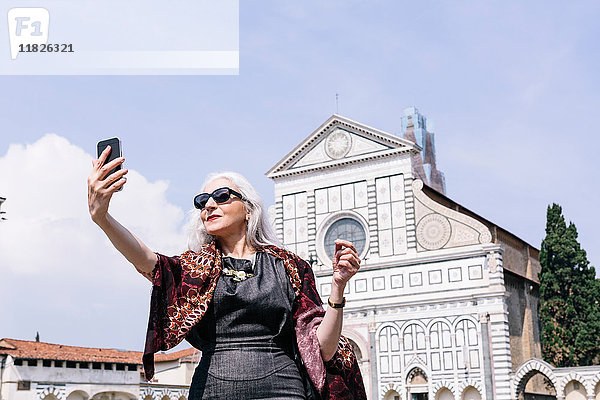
(55, 262)
(45, 187)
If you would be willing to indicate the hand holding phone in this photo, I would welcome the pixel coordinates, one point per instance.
(115, 152)
(104, 180)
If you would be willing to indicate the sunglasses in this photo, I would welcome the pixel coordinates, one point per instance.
(220, 195)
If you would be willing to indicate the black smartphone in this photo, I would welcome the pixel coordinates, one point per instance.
(115, 152)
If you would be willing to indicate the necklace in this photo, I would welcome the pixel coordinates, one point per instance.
(240, 275)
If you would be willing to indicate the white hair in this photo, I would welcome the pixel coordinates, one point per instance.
(258, 229)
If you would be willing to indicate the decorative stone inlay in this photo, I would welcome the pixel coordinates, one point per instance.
(435, 277)
(455, 274)
(338, 143)
(397, 281)
(433, 231)
(463, 230)
(360, 285)
(379, 283)
(492, 261)
(399, 235)
(416, 279)
(475, 272)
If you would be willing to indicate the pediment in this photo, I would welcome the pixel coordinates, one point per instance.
(340, 141)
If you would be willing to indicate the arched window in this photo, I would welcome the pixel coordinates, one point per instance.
(439, 336)
(467, 353)
(389, 347)
(441, 346)
(414, 338)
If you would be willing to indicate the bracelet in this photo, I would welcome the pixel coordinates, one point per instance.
(336, 305)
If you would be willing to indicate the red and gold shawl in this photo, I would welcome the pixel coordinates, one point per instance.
(182, 288)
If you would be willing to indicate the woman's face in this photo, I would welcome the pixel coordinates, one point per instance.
(227, 219)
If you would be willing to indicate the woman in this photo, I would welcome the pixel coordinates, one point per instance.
(249, 305)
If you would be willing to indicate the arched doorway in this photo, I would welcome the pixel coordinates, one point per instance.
(537, 386)
(470, 393)
(417, 385)
(574, 390)
(444, 394)
(114, 396)
(392, 395)
(78, 395)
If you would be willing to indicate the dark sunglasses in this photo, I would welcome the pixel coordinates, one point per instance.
(220, 195)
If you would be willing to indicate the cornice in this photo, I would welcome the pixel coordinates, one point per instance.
(280, 169)
(340, 163)
(444, 255)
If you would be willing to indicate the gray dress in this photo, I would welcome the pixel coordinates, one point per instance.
(246, 336)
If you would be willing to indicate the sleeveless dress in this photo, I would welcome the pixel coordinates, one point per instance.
(246, 336)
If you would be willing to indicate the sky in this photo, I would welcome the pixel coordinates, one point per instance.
(511, 88)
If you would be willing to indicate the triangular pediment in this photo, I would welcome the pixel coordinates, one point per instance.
(340, 141)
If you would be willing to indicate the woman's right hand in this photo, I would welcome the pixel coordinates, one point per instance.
(100, 190)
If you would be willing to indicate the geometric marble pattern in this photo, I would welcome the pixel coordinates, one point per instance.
(379, 283)
(397, 281)
(454, 274)
(360, 285)
(475, 272)
(435, 276)
(415, 279)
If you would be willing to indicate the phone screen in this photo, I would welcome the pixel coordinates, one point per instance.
(115, 152)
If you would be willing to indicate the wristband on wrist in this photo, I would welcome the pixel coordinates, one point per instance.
(336, 305)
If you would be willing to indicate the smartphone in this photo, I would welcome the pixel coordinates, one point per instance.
(115, 152)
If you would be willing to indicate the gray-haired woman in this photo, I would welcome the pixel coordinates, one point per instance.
(250, 306)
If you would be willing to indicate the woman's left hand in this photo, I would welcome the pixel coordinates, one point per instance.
(346, 262)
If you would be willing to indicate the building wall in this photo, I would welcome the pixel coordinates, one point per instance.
(67, 383)
(177, 371)
(523, 302)
(430, 292)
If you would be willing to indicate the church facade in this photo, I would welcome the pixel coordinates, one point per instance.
(428, 312)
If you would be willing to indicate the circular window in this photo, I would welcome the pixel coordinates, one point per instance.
(348, 229)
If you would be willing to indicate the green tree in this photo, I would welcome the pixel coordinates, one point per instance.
(569, 292)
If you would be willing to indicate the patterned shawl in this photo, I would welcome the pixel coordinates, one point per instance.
(182, 288)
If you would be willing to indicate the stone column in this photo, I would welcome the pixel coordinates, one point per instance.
(373, 357)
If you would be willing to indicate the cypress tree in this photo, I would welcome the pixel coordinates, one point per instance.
(569, 310)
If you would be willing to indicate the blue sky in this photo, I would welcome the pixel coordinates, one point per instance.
(512, 89)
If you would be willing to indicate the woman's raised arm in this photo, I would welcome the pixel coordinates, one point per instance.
(346, 263)
(100, 192)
